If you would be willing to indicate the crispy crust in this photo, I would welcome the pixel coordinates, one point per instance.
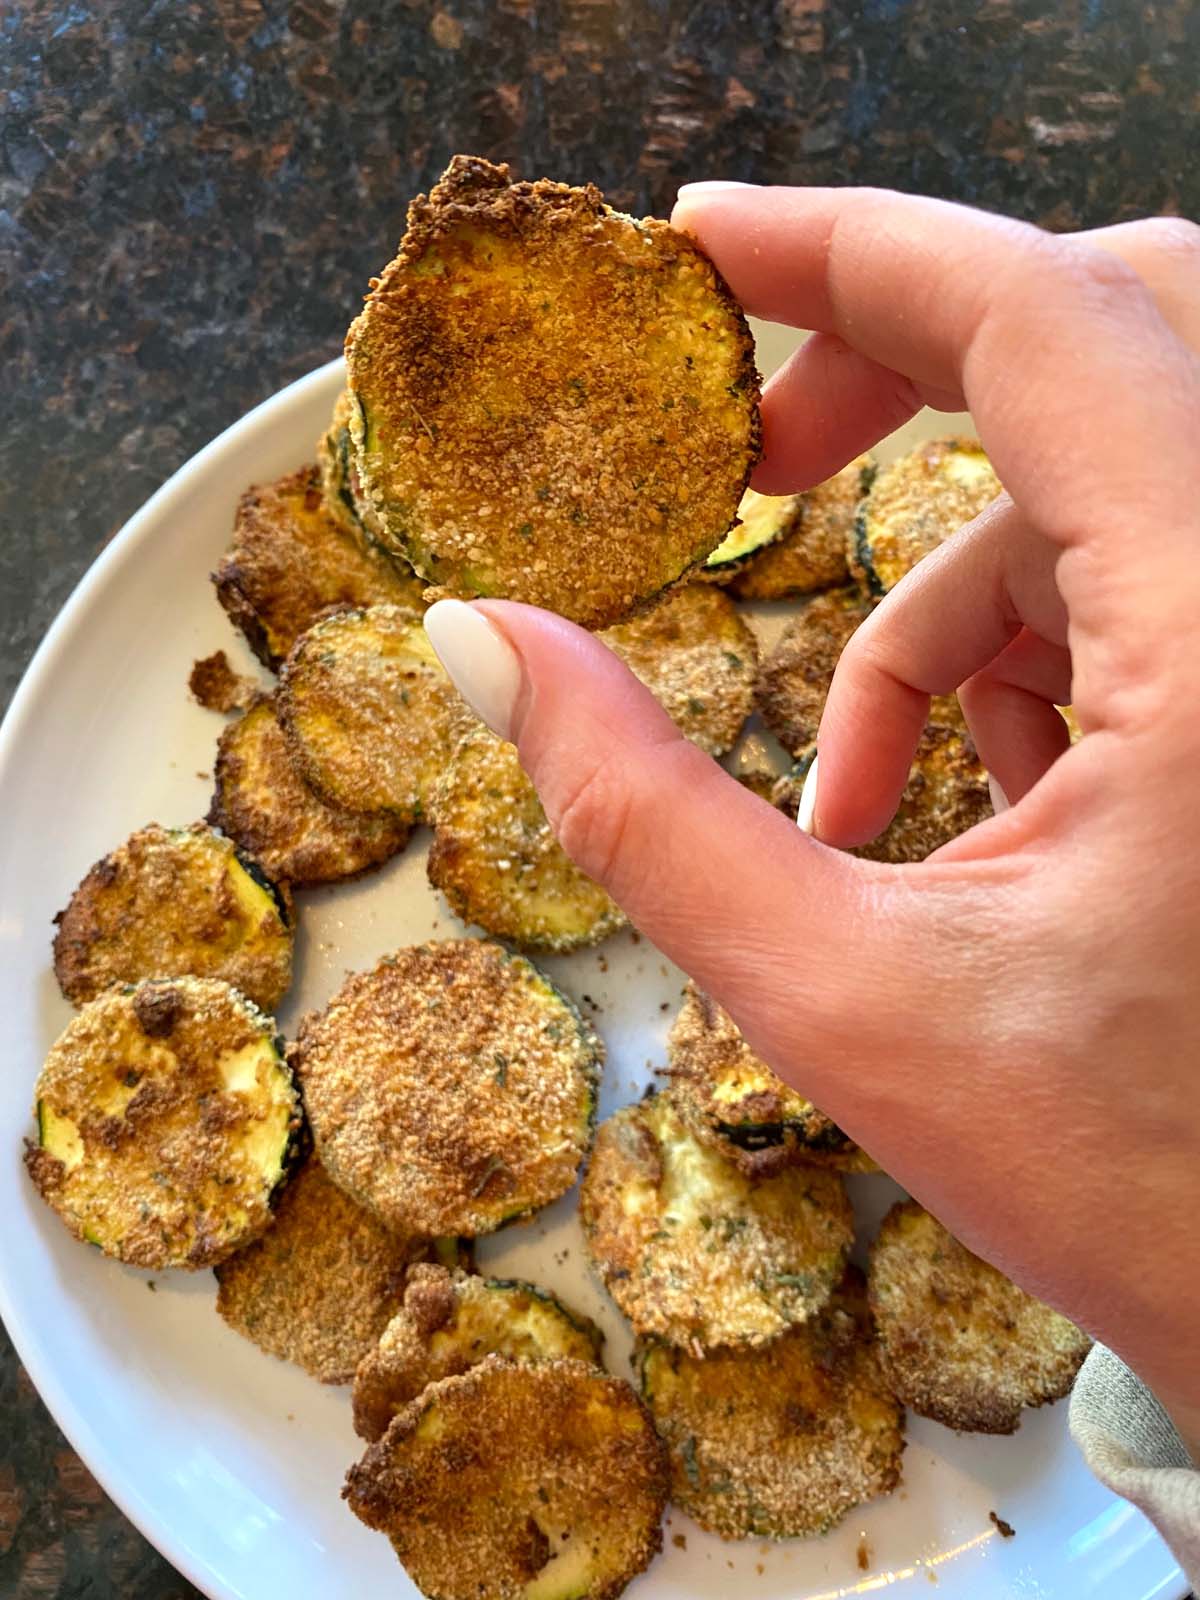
(811, 550)
(731, 1100)
(556, 403)
(697, 656)
(695, 1252)
(794, 680)
(264, 805)
(369, 714)
(217, 687)
(489, 1477)
(176, 1151)
(960, 1342)
(495, 857)
(946, 793)
(781, 1442)
(914, 505)
(175, 902)
(451, 1089)
(321, 1285)
(290, 561)
(448, 1323)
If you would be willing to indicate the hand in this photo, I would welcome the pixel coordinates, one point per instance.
(1012, 1027)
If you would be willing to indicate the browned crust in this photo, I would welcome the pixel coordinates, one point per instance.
(161, 906)
(794, 680)
(451, 1088)
(784, 1441)
(586, 489)
(526, 1459)
(960, 1342)
(319, 1287)
(289, 562)
(218, 687)
(263, 804)
(810, 553)
(160, 1182)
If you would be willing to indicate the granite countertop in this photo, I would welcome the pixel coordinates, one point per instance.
(193, 196)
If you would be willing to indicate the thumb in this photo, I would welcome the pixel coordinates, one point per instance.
(779, 928)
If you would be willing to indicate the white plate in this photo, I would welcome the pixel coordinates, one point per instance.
(229, 1461)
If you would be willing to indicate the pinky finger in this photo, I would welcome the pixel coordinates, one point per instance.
(1011, 710)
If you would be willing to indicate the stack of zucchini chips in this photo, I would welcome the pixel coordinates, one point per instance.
(495, 438)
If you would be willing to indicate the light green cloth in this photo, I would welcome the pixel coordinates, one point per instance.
(1131, 1445)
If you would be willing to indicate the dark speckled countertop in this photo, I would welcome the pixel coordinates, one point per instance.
(193, 195)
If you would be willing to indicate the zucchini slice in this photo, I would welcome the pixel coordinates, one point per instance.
(913, 505)
(762, 520)
(176, 902)
(811, 550)
(290, 560)
(793, 682)
(369, 713)
(780, 1442)
(497, 861)
(448, 1323)
(167, 1119)
(960, 1342)
(695, 1252)
(518, 1482)
(946, 793)
(731, 1100)
(697, 656)
(263, 804)
(555, 403)
(451, 1089)
(320, 1286)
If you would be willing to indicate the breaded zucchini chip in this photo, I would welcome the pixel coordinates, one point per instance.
(518, 1482)
(451, 1089)
(448, 1323)
(694, 1251)
(369, 713)
(167, 1119)
(268, 810)
(731, 1100)
(320, 1286)
(913, 505)
(697, 657)
(793, 682)
(290, 561)
(497, 861)
(946, 793)
(762, 520)
(960, 1342)
(814, 530)
(779, 1442)
(554, 403)
(176, 902)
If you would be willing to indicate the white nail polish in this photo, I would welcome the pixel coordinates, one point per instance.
(710, 186)
(806, 810)
(484, 667)
(999, 798)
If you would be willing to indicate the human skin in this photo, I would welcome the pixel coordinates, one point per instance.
(1011, 1027)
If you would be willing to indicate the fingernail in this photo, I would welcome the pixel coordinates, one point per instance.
(806, 810)
(710, 186)
(483, 666)
(999, 798)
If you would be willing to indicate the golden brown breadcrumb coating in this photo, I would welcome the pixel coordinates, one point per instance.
(554, 402)
(810, 552)
(793, 681)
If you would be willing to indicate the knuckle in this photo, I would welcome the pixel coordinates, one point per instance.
(592, 818)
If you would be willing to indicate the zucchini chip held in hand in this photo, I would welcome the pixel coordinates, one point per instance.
(176, 902)
(370, 716)
(497, 861)
(731, 1100)
(695, 1252)
(779, 1442)
(263, 804)
(167, 1119)
(290, 561)
(448, 1323)
(320, 1286)
(518, 1482)
(960, 1342)
(553, 402)
(451, 1089)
